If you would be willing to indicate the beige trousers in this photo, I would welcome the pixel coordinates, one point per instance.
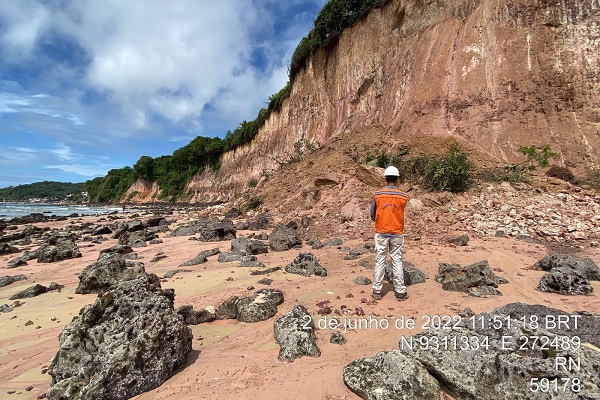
(394, 245)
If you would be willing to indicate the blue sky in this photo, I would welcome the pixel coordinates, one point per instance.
(91, 85)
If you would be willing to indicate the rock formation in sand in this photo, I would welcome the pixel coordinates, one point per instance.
(129, 341)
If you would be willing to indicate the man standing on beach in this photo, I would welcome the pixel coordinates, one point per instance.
(387, 210)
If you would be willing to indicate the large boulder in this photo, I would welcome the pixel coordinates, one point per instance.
(306, 264)
(566, 281)
(585, 266)
(65, 249)
(261, 306)
(390, 375)
(456, 279)
(284, 237)
(295, 333)
(126, 343)
(105, 273)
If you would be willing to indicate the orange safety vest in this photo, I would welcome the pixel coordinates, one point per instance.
(389, 210)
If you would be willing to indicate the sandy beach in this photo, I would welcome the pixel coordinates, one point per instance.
(236, 360)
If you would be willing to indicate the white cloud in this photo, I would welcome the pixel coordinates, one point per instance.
(85, 170)
(25, 19)
(63, 153)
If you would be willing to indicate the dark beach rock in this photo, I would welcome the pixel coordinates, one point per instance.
(193, 317)
(261, 222)
(295, 334)
(7, 280)
(334, 242)
(228, 257)
(390, 375)
(250, 261)
(6, 248)
(155, 221)
(261, 236)
(283, 238)
(354, 254)
(131, 338)
(117, 249)
(586, 266)
(199, 259)
(55, 286)
(29, 219)
(249, 246)
(30, 231)
(5, 308)
(483, 291)
(566, 281)
(159, 256)
(189, 229)
(260, 306)
(242, 226)
(233, 213)
(137, 238)
(265, 281)
(499, 369)
(581, 324)
(315, 244)
(362, 280)
(64, 250)
(306, 264)
(265, 271)
(412, 275)
(337, 338)
(211, 252)
(174, 272)
(461, 240)
(30, 255)
(31, 291)
(228, 308)
(16, 262)
(217, 232)
(101, 230)
(457, 279)
(105, 273)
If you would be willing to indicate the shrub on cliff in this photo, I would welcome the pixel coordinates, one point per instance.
(451, 173)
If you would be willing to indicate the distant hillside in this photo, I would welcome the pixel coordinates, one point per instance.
(43, 190)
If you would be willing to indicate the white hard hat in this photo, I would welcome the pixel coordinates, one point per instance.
(391, 171)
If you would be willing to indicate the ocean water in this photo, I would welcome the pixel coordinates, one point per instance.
(11, 210)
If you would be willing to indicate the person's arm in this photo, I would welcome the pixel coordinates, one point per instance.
(372, 211)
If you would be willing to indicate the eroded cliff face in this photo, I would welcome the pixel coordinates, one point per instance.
(498, 74)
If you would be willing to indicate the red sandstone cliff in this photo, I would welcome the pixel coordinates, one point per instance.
(494, 74)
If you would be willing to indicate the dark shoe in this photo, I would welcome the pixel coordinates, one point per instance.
(376, 295)
(401, 296)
